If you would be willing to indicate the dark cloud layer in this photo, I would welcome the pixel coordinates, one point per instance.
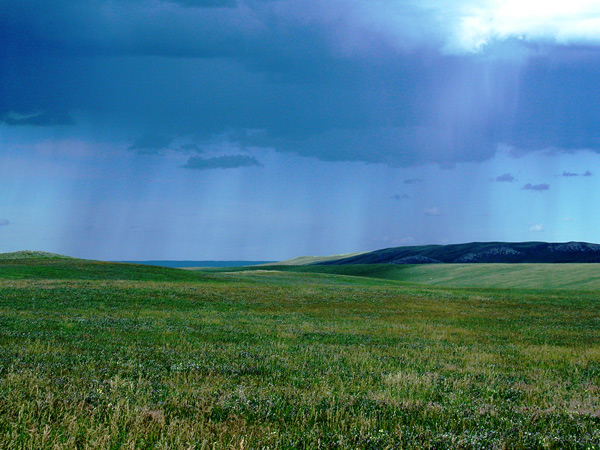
(313, 78)
(221, 162)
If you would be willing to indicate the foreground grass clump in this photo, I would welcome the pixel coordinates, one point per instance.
(283, 360)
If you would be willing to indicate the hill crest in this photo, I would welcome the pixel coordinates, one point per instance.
(480, 252)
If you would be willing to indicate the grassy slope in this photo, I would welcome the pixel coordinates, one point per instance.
(305, 260)
(271, 359)
(513, 276)
(64, 268)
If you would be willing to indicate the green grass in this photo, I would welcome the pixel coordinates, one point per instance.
(110, 356)
(61, 268)
(513, 276)
(503, 276)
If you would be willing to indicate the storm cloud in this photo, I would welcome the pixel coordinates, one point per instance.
(329, 80)
(155, 115)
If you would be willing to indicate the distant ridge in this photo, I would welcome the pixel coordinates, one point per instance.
(479, 252)
(32, 254)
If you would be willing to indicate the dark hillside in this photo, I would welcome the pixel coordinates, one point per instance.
(481, 252)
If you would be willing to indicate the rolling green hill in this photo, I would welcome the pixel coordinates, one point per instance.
(42, 265)
(505, 276)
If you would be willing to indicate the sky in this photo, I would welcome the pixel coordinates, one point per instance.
(270, 129)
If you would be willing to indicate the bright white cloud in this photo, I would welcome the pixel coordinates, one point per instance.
(557, 21)
(460, 26)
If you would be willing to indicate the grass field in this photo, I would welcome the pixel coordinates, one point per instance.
(109, 356)
(505, 276)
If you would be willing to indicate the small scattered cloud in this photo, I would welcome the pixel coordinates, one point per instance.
(434, 211)
(400, 197)
(413, 181)
(221, 162)
(505, 178)
(37, 118)
(150, 144)
(4, 222)
(536, 228)
(568, 219)
(536, 187)
(587, 173)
